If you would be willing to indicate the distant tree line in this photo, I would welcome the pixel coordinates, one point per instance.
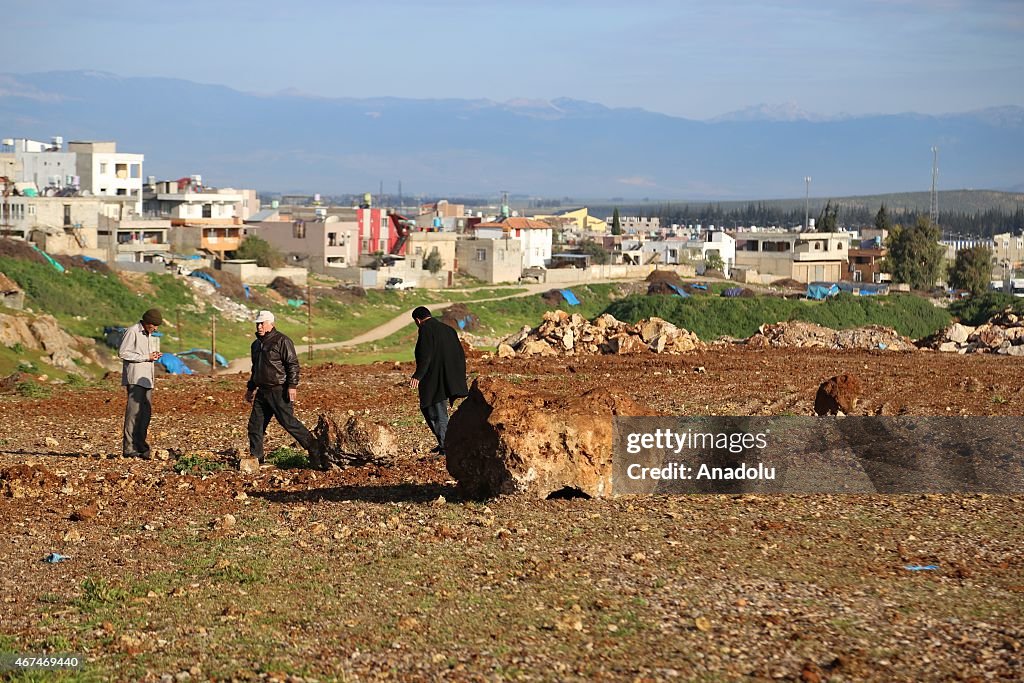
(983, 224)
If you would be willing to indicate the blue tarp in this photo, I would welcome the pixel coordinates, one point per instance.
(248, 294)
(205, 276)
(732, 292)
(678, 290)
(90, 258)
(569, 297)
(204, 355)
(820, 291)
(699, 286)
(173, 365)
(863, 288)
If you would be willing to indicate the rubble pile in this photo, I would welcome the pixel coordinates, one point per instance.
(460, 318)
(796, 334)
(562, 334)
(1003, 333)
(286, 288)
(60, 349)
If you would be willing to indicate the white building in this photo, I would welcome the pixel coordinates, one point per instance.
(44, 164)
(536, 238)
(102, 170)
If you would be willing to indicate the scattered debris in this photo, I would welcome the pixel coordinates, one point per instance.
(569, 335)
(1003, 333)
(796, 334)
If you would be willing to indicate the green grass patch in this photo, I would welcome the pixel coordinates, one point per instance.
(97, 593)
(713, 317)
(197, 465)
(31, 389)
(289, 458)
(978, 309)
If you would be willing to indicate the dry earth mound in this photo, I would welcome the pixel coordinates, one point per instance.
(797, 334)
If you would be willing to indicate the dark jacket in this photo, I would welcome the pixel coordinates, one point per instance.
(440, 363)
(274, 361)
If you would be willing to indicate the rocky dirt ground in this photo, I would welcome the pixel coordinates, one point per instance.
(372, 572)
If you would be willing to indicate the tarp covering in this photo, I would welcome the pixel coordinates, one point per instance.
(863, 288)
(819, 291)
(569, 297)
(204, 355)
(173, 365)
(205, 276)
(732, 292)
(59, 267)
(678, 290)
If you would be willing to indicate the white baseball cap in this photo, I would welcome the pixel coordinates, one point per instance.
(265, 317)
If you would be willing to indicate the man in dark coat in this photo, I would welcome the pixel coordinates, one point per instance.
(272, 389)
(440, 372)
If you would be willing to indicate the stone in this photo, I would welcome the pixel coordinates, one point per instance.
(652, 328)
(627, 344)
(959, 333)
(249, 465)
(28, 481)
(991, 336)
(85, 513)
(505, 351)
(949, 347)
(538, 348)
(347, 441)
(837, 394)
(508, 440)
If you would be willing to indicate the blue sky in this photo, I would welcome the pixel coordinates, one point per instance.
(681, 57)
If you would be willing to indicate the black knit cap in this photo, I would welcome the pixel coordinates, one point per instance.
(153, 317)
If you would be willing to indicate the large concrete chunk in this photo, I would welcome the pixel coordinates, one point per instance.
(349, 440)
(508, 440)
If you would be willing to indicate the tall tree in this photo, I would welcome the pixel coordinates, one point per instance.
(616, 225)
(882, 219)
(829, 218)
(915, 255)
(972, 270)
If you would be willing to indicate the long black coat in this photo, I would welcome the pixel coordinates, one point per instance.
(440, 363)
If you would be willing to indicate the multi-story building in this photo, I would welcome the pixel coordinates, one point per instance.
(47, 165)
(801, 256)
(632, 225)
(323, 245)
(202, 218)
(102, 170)
(490, 260)
(536, 237)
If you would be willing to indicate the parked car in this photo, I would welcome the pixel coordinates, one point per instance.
(398, 283)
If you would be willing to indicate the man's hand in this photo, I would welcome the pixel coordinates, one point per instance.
(414, 382)
(155, 355)
(248, 395)
(291, 394)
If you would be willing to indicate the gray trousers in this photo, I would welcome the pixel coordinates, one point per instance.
(137, 413)
(436, 416)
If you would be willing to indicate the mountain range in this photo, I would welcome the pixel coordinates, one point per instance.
(290, 142)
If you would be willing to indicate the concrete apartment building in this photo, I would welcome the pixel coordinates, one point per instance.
(103, 171)
(328, 246)
(202, 219)
(490, 260)
(535, 235)
(801, 256)
(47, 165)
(1007, 252)
(632, 225)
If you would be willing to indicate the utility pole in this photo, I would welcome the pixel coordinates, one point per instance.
(807, 202)
(309, 321)
(933, 215)
(213, 345)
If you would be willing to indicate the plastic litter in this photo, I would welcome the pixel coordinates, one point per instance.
(921, 568)
(54, 558)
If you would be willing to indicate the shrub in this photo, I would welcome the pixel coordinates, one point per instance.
(30, 389)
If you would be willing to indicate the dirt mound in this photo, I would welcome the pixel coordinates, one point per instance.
(505, 440)
(670, 276)
(28, 481)
(82, 263)
(837, 394)
(1003, 333)
(796, 334)
(570, 335)
(660, 287)
(460, 318)
(288, 289)
(711, 272)
(20, 250)
(789, 283)
(230, 284)
(553, 297)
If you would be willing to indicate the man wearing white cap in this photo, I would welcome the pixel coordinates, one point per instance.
(272, 387)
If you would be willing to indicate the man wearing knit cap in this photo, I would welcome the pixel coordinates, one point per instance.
(139, 350)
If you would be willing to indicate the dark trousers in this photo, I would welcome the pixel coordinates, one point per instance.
(273, 402)
(436, 416)
(137, 413)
